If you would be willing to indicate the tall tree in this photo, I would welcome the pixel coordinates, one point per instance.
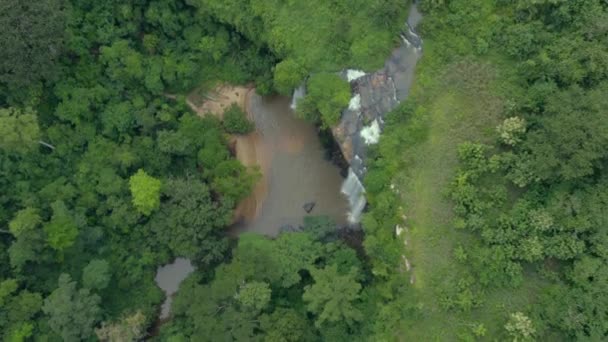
(19, 130)
(332, 296)
(145, 190)
(62, 229)
(96, 275)
(30, 239)
(31, 39)
(72, 313)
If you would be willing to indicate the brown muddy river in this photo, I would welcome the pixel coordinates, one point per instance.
(295, 170)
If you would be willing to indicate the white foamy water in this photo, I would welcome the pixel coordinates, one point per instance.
(298, 94)
(355, 193)
(355, 103)
(352, 74)
(371, 133)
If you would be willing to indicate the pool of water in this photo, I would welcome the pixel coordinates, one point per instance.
(294, 167)
(168, 278)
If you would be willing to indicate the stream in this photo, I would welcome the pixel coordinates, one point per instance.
(297, 179)
(168, 278)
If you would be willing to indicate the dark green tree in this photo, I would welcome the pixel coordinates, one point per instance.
(333, 296)
(32, 41)
(235, 120)
(72, 313)
(96, 275)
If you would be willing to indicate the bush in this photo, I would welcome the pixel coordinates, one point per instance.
(236, 122)
(327, 96)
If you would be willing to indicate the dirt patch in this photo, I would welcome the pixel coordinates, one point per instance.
(218, 100)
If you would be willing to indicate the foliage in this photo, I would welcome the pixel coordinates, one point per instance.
(327, 96)
(128, 329)
(254, 295)
(314, 35)
(332, 295)
(84, 108)
(96, 275)
(260, 293)
(520, 327)
(19, 129)
(235, 120)
(32, 38)
(62, 229)
(288, 75)
(511, 130)
(189, 222)
(145, 191)
(72, 313)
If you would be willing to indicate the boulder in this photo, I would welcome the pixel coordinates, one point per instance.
(308, 207)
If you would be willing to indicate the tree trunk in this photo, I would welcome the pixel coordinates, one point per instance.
(46, 144)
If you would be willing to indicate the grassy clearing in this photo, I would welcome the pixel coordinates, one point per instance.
(455, 103)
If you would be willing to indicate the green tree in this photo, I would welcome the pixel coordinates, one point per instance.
(145, 190)
(189, 222)
(18, 311)
(31, 40)
(286, 325)
(319, 227)
(235, 120)
(288, 75)
(62, 229)
(568, 143)
(520, 327)
(327, 96)
(130, 328)
(72, 313)
(19, 130)
(96, 275)
(24, 222)
(254, 295)
(333, 296)
(30, 239)
(233, 180)
(511, 130)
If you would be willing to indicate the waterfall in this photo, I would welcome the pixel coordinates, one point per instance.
(352, 74)
(298, 93)
(371, 133)
(355, 103)
(411, 38)
(354, 191)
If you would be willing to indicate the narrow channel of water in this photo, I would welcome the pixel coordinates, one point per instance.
(168, 278)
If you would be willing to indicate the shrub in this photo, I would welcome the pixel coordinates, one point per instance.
(236, 122)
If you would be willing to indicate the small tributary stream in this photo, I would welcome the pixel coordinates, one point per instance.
(168, 278)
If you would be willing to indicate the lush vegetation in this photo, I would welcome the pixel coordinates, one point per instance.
(497, 163)
(235, 121)
(487, 191)
(299, 287)
(327, 95)
(105, 173)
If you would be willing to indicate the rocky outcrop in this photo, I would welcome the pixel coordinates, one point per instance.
(375, 95)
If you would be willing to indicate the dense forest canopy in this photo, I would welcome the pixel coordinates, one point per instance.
(494, 169)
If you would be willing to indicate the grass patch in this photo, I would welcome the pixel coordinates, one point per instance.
(457, 102)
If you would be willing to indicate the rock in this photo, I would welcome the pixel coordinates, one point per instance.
(308, 207)
(287, 228)
(374, 95)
